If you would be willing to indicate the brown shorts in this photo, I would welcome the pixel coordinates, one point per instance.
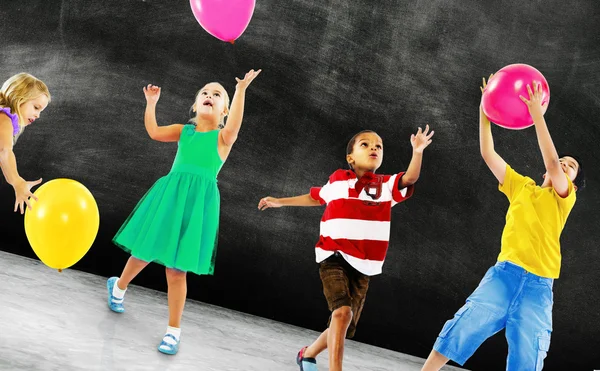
(343, 286)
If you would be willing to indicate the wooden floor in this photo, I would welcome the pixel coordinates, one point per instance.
(52, 321)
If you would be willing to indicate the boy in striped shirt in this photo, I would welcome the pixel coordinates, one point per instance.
(355, 230)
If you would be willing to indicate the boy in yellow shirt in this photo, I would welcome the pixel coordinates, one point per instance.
(516, 293)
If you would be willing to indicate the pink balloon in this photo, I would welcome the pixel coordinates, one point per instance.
(224, 19)
(500, 101)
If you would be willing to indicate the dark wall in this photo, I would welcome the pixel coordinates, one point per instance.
(330, 69)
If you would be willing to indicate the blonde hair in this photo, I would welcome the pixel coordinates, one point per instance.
(19, 89)
(194, 119)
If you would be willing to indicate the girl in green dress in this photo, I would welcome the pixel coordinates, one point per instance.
(176, 222)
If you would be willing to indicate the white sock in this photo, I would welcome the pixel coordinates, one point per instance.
(175, 331)
(117, 292)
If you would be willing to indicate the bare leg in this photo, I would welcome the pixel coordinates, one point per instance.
(318, 346)
(133, 267)
(340, 320)
(176, 295)
(435, 361)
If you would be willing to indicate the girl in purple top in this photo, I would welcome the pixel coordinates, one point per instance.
(22, 98)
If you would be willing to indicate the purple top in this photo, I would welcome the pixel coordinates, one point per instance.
(13, 117)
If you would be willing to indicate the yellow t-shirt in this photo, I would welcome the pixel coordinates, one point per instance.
(534, 221)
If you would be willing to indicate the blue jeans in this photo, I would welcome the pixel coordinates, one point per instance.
(507, 297)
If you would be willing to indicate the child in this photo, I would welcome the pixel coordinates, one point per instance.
(516, 293)
(355, 230)
(23, 97)
(176, 223)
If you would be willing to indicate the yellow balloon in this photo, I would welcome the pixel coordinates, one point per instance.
(62, 225)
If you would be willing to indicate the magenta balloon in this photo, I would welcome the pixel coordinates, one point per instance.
(501, 103)
(224, 19)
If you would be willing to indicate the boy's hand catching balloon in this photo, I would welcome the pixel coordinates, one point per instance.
(534, 103)
(482, 87)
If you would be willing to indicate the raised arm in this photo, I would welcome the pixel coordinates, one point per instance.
(549, 154)
(230, 132)
(169, 133)
(419, 142)
(304, 200)
(486, 145)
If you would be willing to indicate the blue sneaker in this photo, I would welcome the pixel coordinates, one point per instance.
(168, 348)
(116, 305)
(306, 364)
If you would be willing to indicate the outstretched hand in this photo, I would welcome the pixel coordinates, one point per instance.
(152, 93)
(421, 140)
(268, 202)
(23, 193)
(484, 83)
(534, 103)
(482, 88)
(245, 82)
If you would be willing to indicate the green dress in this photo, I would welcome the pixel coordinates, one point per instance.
(176, 222)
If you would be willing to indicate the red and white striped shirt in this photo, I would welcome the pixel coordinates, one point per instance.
(356, 221)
